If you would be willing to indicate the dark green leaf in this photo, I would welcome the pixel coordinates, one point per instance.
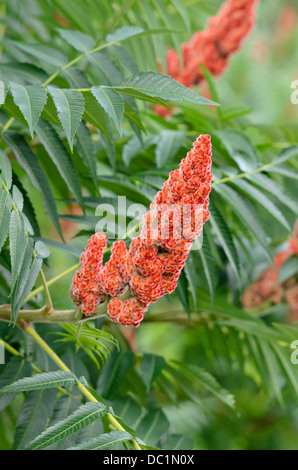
(58, 153)
(112, 102)
(83, 416)
(29, 162)
(35, 412)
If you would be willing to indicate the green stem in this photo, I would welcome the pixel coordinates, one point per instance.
(227, 179)
(7, 125)
(52, 281)
(36, 369)
(57, 316)
(49, 304)
(31, 331)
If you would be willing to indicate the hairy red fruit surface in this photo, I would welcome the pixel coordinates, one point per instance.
(152, 265)
(85, 290)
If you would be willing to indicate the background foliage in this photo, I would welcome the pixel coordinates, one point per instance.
(223, 376)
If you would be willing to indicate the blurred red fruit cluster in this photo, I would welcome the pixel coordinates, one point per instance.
(153, 263)
(212, 47)
(267, 287)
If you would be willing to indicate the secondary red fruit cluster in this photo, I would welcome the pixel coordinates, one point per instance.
(153, 263)
(86, 290)
(267, 288)
(214, 46)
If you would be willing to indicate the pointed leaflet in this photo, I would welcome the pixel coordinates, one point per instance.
(240, 148)
(182, 292)
(5, 208)
(288, 269)
(124, 33)
(29, 162)
(28, 210)
(208, 266)
(158, 85)
(18, 240)
(225, 238)
(6, 172)
(105, 67)
(50, 112)
(274, 371)
(152, 366)
(28, 274)
(76, 78)
(32, 419)
(260, 198)
(124, 60)
(269, 185)
(70, 107)
(133, 31)
(16, 368)
(245, 213)
(41, 249)
(114, 373)
(191, 276)
(133, 147)
(95, 114)
(62, 246)
(112, 103)
(104, 441)
(86, 150)
(58, 153)
(65, 406)
(42, 381)
(199, 377)
(152, 426)
(284, 172)
(31, 100)
(22, 278)
(13, 110)
(209, 382)
(5, 199)
(28, 72)
(83, 416)
(168, 144)
(133, 116)
(17, 198)
(285, 155)
(44, 53)
(80, 41)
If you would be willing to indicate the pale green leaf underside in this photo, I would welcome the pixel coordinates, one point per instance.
(41, 381)
(70, 108)
(31, 100)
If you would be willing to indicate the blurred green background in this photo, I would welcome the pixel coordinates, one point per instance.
(259, 77)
